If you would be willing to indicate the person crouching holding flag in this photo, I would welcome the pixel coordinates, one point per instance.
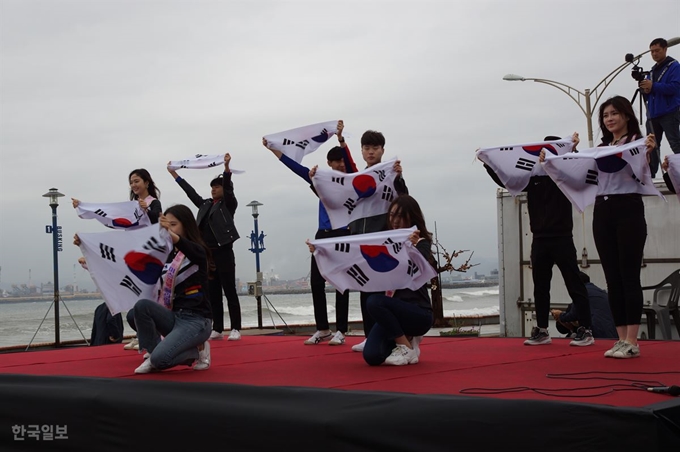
(401, 317)
(182, 314)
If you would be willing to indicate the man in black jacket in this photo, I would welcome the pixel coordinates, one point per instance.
(551, 222)
(215, 220)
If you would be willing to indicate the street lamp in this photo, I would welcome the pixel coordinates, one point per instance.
(257, 246)
(578, 96)
(55, 230)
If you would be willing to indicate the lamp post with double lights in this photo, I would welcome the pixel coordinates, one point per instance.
(55, 230)
(257, 246)
(583, 99)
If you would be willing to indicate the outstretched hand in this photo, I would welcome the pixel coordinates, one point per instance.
(172, 172)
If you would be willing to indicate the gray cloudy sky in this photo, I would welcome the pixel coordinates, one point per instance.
(93, 89)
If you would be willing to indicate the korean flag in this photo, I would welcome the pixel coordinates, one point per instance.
(296, 143)
(115, 215)
(373, 262)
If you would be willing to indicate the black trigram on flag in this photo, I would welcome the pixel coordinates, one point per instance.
(127, 282)
(302, 144)
(350, 204)
(342, 247)
(634, 151)
(338, 180)
(395, 246)
(107, 252)
(287, 142)
(525, 164)
(358, 275)
(153, 244)
(636, 179)
(561, 145)
(381, 174)
(387, 194)
(591, 177)
(412, 268)
(211, 164)
(506, 149)
(100, 212)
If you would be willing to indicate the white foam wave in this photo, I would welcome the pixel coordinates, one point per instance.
(480, 293)
(491, 310)
(454, 298)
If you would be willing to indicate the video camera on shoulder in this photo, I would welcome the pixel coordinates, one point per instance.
(636, 71)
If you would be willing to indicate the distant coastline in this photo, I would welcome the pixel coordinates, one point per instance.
(265, 289)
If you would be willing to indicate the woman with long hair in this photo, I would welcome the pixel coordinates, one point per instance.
(143, 189)
(402, 318)
(620, 229)
(186, 326)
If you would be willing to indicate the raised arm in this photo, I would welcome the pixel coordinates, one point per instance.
(229, 199)
(195, 198)
(294, 166)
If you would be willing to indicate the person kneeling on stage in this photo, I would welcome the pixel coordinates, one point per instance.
(186, 326)
(402, 318)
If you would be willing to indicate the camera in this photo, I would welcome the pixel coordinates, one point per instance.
(636, 71)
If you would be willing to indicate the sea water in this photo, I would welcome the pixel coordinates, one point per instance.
(20, 321)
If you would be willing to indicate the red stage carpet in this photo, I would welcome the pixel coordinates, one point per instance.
(448, 366)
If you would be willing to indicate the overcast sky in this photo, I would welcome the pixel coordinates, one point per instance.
(93, 89)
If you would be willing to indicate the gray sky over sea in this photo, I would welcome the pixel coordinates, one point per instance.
(90, 90)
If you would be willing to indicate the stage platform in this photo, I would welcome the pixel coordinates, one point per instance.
(273, 392)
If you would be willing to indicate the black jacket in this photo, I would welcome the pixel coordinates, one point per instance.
(550, 212)
(191, 293)
(377, 223)
(218, 215)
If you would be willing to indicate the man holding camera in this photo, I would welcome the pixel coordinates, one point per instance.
(662, 92)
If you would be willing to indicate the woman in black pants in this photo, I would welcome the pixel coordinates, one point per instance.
(619, 227)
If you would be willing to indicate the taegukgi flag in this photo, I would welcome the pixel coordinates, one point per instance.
(674, 171)
(116, 215)
(296, 143)
(624, 168)
(348, 197)
(126, 267)
(201, 161)
(516, 163)
(374, 262)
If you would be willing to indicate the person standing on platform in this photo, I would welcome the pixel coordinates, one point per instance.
(215, 220)
(372, 150)
(551, 223)
(662, 91)
(339, 159)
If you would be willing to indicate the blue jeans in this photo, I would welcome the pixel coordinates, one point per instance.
(670, 125)
(183, 332)
(393, 318)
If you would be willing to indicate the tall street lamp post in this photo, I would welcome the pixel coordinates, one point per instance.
(583, 99)
(55, 230)
(257, 246)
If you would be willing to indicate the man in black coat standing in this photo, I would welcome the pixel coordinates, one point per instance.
(215, 220)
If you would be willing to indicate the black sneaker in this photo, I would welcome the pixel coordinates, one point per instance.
(583, 337)
(539, 336)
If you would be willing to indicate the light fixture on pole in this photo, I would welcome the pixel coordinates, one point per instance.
(55, 230)
(583, 99)
(257, 246)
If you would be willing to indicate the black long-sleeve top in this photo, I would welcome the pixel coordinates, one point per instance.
(191, 292)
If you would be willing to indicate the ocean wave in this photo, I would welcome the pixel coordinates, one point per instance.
(454, 298)
(480, 293)
(301, 311)
(491, 310)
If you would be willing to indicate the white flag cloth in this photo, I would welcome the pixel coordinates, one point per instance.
(608, 169)
(374, 262)
(674, 171)
(296, 143)
(200, 161)
(126, 267)
(515, 164)
(115, 215)
(348, 197)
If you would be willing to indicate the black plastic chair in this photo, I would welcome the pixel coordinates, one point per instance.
(668, 289)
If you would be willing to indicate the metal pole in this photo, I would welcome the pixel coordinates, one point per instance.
(589, 117)
(55, 240)
(259, 275)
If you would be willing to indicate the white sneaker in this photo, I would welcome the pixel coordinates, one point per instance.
(215, 336)
(401, 356)
(627, 351)
(234, 336)
(359, 347)
(203, 362)
(338, 339)
(319, 337)
(145, 367)
(610, 353)
(415, 343)
(147, 355)
(132, 344)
